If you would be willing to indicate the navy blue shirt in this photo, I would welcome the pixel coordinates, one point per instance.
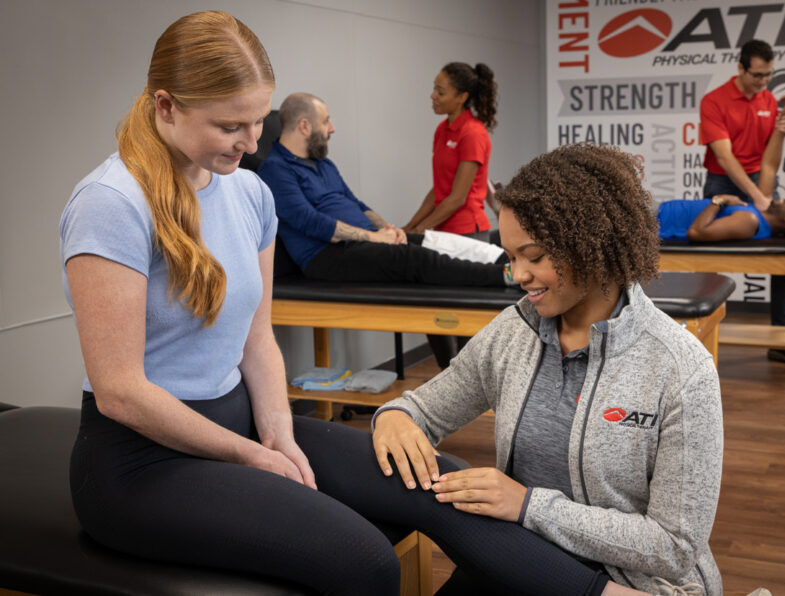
(310, 197)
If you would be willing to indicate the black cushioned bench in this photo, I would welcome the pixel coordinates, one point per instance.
(44, 551)
(695, 300)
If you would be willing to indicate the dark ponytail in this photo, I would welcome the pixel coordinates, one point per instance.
(479, 84)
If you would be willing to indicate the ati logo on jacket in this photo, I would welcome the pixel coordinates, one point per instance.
(633, 419)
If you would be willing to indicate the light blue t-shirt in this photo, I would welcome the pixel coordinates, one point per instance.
(107, 215)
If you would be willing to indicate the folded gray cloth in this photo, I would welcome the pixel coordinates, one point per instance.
(370, 381)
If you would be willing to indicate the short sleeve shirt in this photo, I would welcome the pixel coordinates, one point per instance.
(466, 139)
(675, 217)
(108, 215)
(727, 114)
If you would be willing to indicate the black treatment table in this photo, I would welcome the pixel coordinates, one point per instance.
(695, 300)
(44, 551)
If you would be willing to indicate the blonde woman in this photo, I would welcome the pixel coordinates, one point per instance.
(186, 450)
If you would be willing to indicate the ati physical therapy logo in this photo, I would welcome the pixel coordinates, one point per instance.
(637, 32)
(633, 419)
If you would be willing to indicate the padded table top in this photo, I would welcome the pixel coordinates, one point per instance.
(686, 295)
(43, 549)
(769, 246)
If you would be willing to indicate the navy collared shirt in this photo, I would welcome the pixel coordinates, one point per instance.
(310, 197)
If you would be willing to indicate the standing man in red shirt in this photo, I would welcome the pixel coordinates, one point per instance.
(739, 127)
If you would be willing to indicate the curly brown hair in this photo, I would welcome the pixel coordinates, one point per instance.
(587, 208)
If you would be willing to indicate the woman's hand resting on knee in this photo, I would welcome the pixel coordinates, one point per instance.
(396, 434)
(483, 491)
(279, 462)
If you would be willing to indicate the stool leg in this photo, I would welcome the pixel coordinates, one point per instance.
(425, 549)
(399, 355)
(321, 357)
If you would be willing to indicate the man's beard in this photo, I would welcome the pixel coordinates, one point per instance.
(317, 146)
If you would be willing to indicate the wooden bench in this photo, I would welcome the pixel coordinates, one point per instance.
(752, 256)
(755, 336)
(697, 301)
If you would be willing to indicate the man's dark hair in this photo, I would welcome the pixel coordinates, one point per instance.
(755, 48)
(296, 107)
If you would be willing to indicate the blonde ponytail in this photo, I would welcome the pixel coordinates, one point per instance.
(199, 58)
(194, 273)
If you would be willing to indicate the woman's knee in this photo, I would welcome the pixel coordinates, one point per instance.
(370, 566)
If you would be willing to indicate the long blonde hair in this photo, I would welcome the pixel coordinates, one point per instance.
(200, 57)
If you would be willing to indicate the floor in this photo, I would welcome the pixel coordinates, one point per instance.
(748, 539)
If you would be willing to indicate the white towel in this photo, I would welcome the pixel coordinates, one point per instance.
(461, 247)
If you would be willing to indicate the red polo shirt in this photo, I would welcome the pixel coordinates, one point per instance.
(748, 123)
(466, 139)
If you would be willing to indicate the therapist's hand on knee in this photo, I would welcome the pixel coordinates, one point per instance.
(482, 491)
(396, 434)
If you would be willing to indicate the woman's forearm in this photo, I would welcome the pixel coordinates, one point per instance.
(442, 212)
(425, 209)
(155, 413)
(461, 185)
(704, 219)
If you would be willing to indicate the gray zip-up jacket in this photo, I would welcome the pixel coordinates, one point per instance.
(645, 453)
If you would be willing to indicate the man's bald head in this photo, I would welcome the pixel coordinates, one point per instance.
(296, 107)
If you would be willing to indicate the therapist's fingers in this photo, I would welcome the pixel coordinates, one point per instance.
(420, 454)
(396, 434)
(429, 456)
(401, 460)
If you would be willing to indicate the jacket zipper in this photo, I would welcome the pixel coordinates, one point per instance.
(586, 418)
(507, 469)
(583, 437)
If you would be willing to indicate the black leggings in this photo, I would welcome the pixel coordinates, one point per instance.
(380, 262)
(139, 497)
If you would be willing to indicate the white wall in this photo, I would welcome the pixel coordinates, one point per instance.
(71, 69)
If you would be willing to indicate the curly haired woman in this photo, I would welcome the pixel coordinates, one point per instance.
(608, 414)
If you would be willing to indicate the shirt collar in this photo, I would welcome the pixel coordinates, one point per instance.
(548, 330)
(460, 120)
(289, 156)
(735, 93)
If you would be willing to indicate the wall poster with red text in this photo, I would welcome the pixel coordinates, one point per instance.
(632, 73)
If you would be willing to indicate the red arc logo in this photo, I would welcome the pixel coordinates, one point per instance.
(614, 414)
(635, 32)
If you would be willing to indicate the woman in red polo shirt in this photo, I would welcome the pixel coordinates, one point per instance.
(461, 149)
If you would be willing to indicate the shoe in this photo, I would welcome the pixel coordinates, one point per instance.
(760, 591)
(776, 355)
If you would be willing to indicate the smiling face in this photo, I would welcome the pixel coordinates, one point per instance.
(552, 295)
(212, 137)
(445, 98)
